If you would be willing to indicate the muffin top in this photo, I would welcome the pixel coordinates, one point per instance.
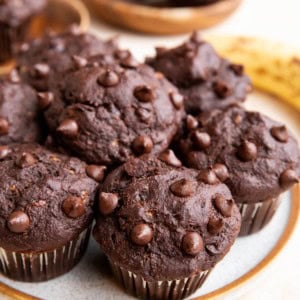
(162, 221)
(20, 120)
(258, 155)
(205, 79)
(15, 12)
(42, 58)
(46, 198)
(104, 114)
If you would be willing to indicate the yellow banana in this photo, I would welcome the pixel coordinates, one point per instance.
(273, 67)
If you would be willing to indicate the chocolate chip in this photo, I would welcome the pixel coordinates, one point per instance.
(129, 62)
(13, 76)
(208, 177)
(4, 151)
(142, 144)
(122, 54)
(41, 70)
(224, 206)
(280, 133)
(4, 126)
(191, 122)
(221, 89)
(201, 140)
(79, 61)
(170, 158)
(221, 171)
(192, 243)
(288, 178)
(73, 207)
(68, 128)
(96, 172)
(215, 225)
(247, 151)
(108, 78)
(144, 93)
(183, 188)
(18, 222)
(45, 100)
(237, 69)
(177, 99)
(107, 203)
(142, 234)
(25, 160)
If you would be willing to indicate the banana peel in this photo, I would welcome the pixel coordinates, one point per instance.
(273, 67)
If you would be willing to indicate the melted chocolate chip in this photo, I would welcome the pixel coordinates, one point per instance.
(129, 62)
(177, 100)
(288, 178)
(192, 243)
(191, 122)
(4, 151)
(73, 207)
(107, 203)
(208, 177)
(170, 158)
(68, 128)
(221, 171)
(142, 234)
(18, 222)
(79, 61)
(280, 133)
(25, 160)
(41, 70)
(108, 78)
(201, 140)
(221, 89)
(144, 93)
(96, 172)
(237, 69)
(142, 144)
(247, 151)
(45, 100)
(224, 206)
(183, 188)
(215, 225)
(4, 126)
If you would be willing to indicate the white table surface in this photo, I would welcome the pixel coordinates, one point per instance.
(275, 19)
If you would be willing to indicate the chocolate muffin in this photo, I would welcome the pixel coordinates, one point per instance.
(15, 19)
(164, 227)
(205, 79)
(46, 212)
(20, 120)
(54, 54)
(254, 155)
(104, 114)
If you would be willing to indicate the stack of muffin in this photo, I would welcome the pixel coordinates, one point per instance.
(162, 154)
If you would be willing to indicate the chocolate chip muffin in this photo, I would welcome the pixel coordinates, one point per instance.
(46, 212)
(15, 19)
(254, 155)
(20, 120)
(205, 79)
(164, 227)
(105, 114)
(54, 54)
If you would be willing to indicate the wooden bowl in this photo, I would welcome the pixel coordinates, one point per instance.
(167, 20)
(59, 15)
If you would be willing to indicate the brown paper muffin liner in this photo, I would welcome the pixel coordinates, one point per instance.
(256, 216)
(162, 290)
(9, 37)
(34, 267)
